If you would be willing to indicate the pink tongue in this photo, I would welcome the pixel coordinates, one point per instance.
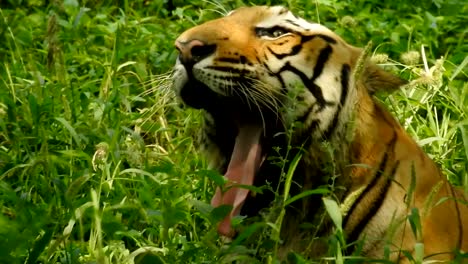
(245, 161)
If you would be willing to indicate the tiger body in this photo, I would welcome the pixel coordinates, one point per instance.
(266, 78)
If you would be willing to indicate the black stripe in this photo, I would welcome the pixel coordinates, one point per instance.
(353, 235)
(375, 207)
(293, 23)
(321, 60)
(228, 69)
(283, 11)
(313, 88)
(270, 72)
(304, 38)
(326, 38)
(294, 51)
(302, 118)
(284, 89)
(312, 127)
(240, 60)
(318, 69)
(344, 93)
(282, 43)
(244, 60)
(230, 60)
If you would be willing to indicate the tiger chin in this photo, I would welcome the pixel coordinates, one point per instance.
(271, 83)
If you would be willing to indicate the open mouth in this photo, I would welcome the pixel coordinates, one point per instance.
(252, 133)
(245, 162)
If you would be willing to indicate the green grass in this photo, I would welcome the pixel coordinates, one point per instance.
(97, 160)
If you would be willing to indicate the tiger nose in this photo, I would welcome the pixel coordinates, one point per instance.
(193, 51)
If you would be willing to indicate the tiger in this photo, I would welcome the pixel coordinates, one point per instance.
(270, 83)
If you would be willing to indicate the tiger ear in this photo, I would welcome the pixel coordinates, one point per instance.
(375, 79)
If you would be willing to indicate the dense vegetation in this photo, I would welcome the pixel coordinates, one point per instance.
(97, 160)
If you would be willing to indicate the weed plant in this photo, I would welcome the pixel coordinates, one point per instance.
(97, 158)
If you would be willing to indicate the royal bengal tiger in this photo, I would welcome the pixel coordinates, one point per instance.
(271, 83)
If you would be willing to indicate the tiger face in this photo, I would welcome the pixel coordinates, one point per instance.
(255, 72)
(251, 59)
(261, 72)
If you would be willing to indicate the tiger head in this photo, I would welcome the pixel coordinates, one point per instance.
(259, 70)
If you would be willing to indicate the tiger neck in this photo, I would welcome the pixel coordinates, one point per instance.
(352, 156)
(374, 142)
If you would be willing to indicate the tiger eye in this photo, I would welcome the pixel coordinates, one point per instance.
(278, 32)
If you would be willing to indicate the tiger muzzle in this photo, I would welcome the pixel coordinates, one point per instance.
(193, 51)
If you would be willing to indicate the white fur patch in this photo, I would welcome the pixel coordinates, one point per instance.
(180, 77)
